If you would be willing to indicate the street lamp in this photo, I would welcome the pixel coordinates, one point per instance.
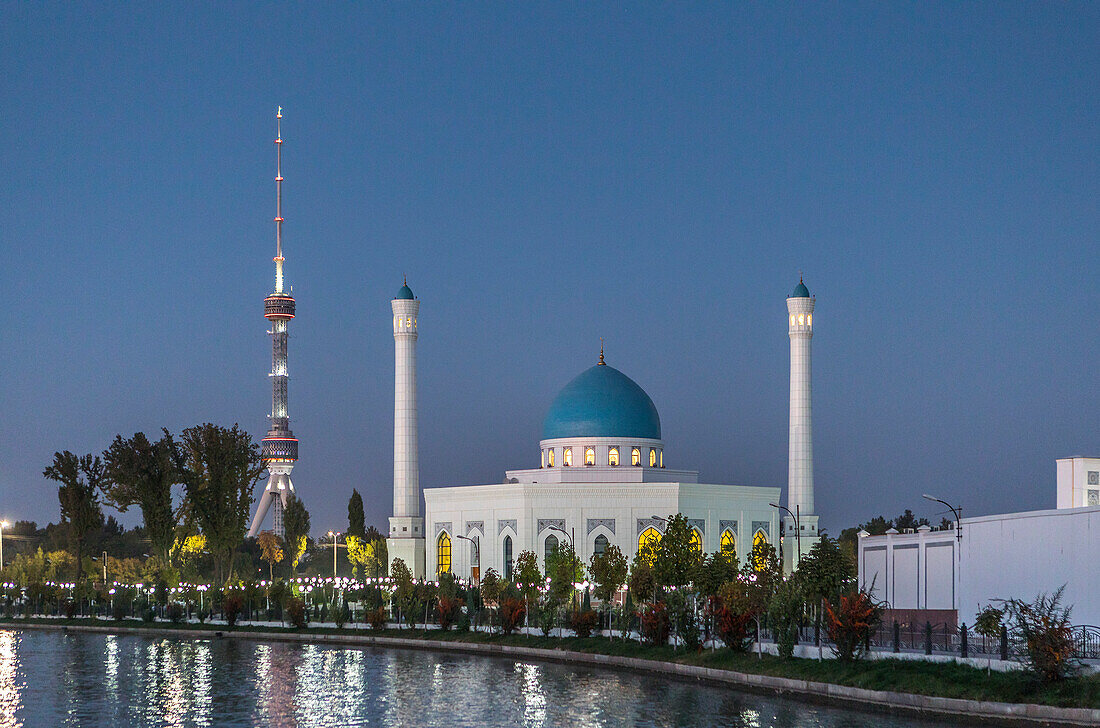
(477, 554)
(572, 547)
(956, 511)
(797, 531)
(333, 535)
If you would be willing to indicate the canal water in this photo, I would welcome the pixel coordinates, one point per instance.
(50, 678)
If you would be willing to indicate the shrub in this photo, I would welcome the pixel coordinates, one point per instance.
(512, 612)
(175, 613)
(733, 627)
(548, 617)
(462, 622)
(70, 609)
(654, 623)
(118, 611)
(448, 608)
(850, 623)
(1043, 627)
(232, 608)
(149, 615)
(686, 622)
(583, 622)
(340, 615)
(376, 618)
(296, 613)
(203, 615)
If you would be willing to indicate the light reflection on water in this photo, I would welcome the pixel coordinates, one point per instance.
(76, 679)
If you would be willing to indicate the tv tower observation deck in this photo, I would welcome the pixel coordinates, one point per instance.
(279, 449)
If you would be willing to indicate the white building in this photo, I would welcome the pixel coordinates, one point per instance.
(1004, 556)
(601, 479)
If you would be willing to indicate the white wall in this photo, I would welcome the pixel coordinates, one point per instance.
(1078, 482)
(1022, 554)
(910, 570)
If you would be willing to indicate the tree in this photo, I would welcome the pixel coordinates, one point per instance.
(608, 571)
(717, 569)
(271, 550)
(526, 574)
(355, 515)
(564, 569)
(404, 589)
(223, 466)
(80, 479)
(295, 529)
(141, 473)
(678, 555)
(825, 571)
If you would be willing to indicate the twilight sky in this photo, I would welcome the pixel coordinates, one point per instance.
(548, 174)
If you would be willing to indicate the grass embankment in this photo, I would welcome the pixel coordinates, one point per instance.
(948, 680)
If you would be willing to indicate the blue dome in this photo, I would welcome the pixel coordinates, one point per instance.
(800, 291)
(602, 402)
(405, 294)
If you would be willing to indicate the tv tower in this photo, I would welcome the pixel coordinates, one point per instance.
(279, 449)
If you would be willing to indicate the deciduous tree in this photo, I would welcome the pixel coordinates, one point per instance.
(271, 551)
(295, 529)
(80, 479)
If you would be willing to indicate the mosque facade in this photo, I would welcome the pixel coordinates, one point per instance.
(602, 478)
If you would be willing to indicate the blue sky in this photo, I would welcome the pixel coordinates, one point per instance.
(546, 175)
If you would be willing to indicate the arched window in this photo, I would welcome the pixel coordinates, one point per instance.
(542, 454)
(759, 539)
(635, 456)
(661, 456)
(600, 545)
(443, 554)
(652, 457)
(613, 456)
(590, 456)
(507, 557)
(567, 456)
(649, 540)
(729, 542)
(696, 542)
(550, 457)
(548, 547)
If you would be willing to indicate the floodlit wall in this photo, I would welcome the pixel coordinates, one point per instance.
(910, 570)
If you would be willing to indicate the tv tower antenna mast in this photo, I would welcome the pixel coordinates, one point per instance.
(279, 449)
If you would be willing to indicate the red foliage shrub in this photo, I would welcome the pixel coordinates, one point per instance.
(232, 607)
(376, 618)
(512, 611)
(583, 622)
(296, 613)
(654, 623)
(448, 609)
(850, 623)
(733, 627)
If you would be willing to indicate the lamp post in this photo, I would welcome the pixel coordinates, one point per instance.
(333, 534)
(572, 547)
(3, 525)
(477, 555)
(797, 531)
(956, 511)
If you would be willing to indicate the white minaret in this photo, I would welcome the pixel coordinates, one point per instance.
(406, 539)
(800, 465)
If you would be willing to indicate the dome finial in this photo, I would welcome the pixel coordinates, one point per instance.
(601, 362)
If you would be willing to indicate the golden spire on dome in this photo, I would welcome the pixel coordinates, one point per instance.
(601, 362)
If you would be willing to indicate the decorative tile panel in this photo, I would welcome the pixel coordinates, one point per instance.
(731, 525)
(443, 526)
(506, 523)
(475, 526)
(698, 523)
(594, 523)
(644, 523)
(545, 523)
(764, 526)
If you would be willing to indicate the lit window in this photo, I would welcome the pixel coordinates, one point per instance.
(443, 554)
(662, 457)
(542, 454)
(590, 456)
(801, 319)
(652, 457)
(600, 545)
(635, 456)
(759, 539)
(507, 557)
(567, 456)
(809, 319)
(696, 542)
(408, 322)
(648, 541)
(550, 457)
(792, 319)
(729, 543)
(613, 456)
(548, 548)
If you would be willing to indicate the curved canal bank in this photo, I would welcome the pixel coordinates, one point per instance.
(827, 693)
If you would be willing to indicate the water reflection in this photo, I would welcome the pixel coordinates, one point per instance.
(107, 680)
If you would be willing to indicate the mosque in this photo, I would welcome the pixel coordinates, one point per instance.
(601, 478)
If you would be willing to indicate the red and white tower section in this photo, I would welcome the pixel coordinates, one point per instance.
(280, 447)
